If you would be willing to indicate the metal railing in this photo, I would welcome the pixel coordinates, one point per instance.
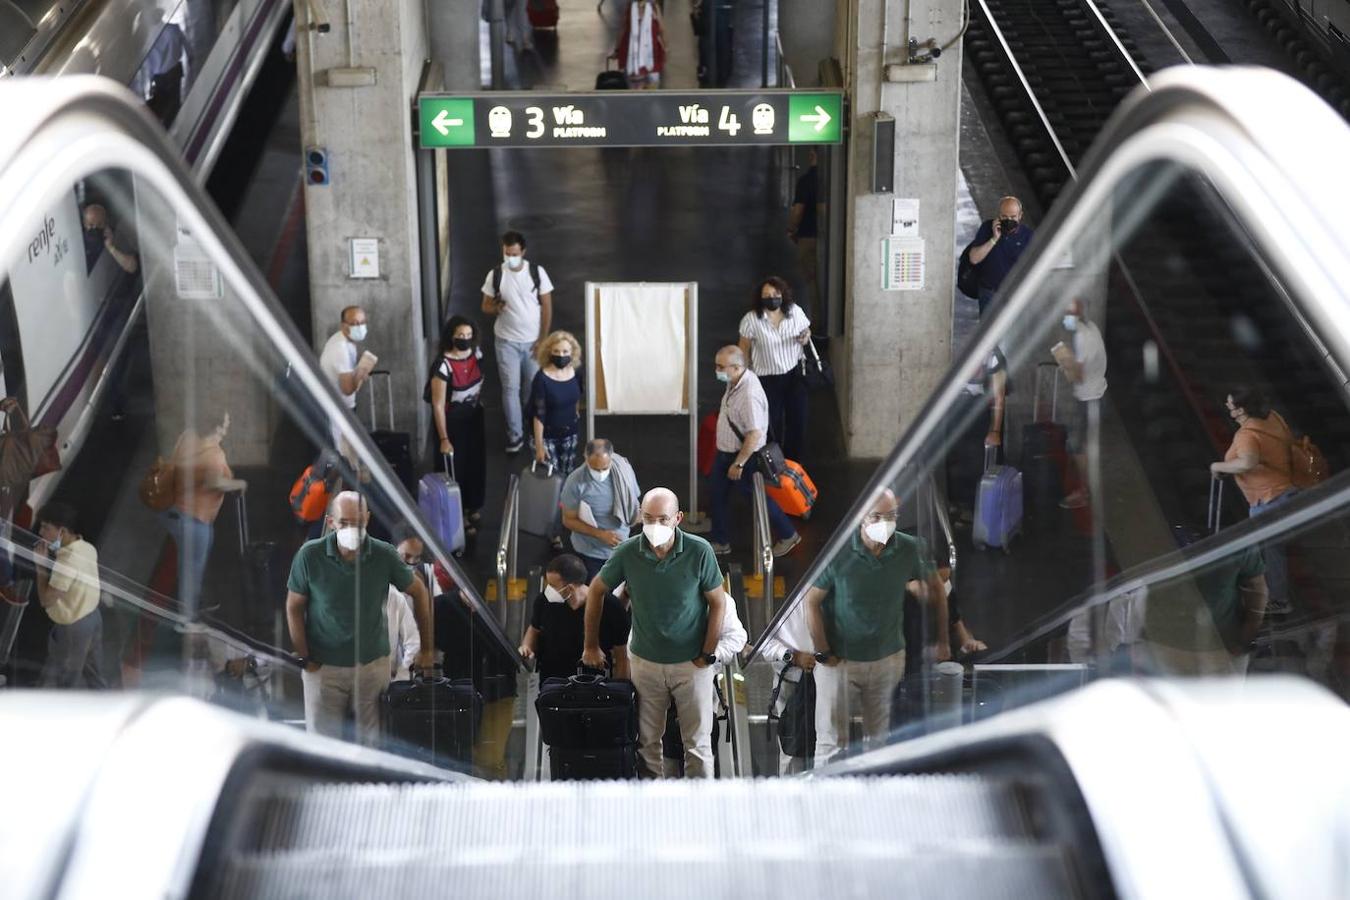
(759, 613)
(508, 547)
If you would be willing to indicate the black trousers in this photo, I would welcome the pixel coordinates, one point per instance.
(787, 411)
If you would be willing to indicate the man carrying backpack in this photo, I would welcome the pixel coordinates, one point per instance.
(520, 295)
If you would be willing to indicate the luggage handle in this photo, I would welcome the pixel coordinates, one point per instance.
(811, 345)
(1054, 392)
(428, 674)
(990, 458)
(242, 510)
(389, 395)
(1214, 514)
(449, 460)
(535, 463)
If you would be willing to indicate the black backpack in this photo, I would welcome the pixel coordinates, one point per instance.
(967, 279)
(497, 280)
(797, 723)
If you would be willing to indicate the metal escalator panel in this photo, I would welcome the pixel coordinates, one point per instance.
(145, 334)
(1193, 278)
(940, 836)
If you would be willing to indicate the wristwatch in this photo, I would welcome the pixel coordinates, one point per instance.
(708, 658)
(301, 661)
(822, 657)
(787, 656)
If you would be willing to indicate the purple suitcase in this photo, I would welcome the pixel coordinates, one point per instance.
(998, 506)
(439, 499)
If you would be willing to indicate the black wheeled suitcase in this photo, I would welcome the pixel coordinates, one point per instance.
(431, 718)
(1045, 457)
(265, 572)
(590, 725)
(394, 446)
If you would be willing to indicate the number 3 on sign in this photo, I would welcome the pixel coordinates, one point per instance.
(536, 117)
(728, 121)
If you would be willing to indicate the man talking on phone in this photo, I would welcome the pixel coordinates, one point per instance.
(997, 247)
(340, 363)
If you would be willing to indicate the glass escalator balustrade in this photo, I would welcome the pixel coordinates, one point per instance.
(154, 364)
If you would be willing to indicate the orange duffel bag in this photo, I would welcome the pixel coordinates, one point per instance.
(794, 492)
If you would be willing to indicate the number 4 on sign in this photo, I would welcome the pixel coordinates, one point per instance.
(729, 122)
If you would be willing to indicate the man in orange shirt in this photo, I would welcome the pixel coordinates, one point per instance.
(1260, 463)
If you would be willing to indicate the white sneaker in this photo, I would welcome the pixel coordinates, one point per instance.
(786, 545)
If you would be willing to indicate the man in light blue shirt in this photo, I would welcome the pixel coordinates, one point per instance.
(600, 500)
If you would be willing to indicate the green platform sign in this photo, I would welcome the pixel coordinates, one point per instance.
(630, 119)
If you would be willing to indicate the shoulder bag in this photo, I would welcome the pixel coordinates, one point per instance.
(769, 458)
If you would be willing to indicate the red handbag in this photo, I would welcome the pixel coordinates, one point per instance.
(25, 452)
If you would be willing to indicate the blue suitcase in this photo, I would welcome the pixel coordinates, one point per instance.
(998, 507)
(442, 506)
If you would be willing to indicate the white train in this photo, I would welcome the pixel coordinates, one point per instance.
(66, 307)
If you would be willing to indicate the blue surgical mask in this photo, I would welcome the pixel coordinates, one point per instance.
(357, 333)
(724, 377)
(55, 545)
(1071, 323)
(515, 262)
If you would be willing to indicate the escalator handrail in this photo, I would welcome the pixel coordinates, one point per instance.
(63, 129)
(1190, 116)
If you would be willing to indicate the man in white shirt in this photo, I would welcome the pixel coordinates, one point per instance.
(792, 653)
(340, 365)
(69, 590)
(405, 641)
(520, 295)
(1085, 367)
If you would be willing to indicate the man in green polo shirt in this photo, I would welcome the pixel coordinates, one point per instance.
(675, 593)
(855, 611)
(335, 609)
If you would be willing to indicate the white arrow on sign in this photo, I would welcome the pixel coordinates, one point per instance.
(444, 124)
(821, 118)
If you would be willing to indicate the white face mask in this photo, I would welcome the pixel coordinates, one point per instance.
(601, 475)
(357, 333)
(514, 262)
(56, 544)
(879, 532)
(1071, 323)
(724, 377)
(350, 538)
(553, 595)
(658, 535)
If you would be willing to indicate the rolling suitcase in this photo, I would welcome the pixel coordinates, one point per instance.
(265, 576)
(794, 491)
(611, 80)
(590, 726)
(431, 718)
(1044, 451)
(707, 443)
(394, 446)
(998, 505)
(540, 493)
(439, 499)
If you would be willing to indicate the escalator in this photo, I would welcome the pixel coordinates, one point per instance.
(1127, 787)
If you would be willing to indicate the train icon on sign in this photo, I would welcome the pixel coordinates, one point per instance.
(762, 118)
(499, 121)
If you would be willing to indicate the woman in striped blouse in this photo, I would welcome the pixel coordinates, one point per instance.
(773, 333)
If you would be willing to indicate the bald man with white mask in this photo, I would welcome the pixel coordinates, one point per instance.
(677, 603)
(335, 610)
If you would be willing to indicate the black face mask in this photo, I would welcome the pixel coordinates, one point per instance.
(93, 242)
(560, 362)
(1008, 225)
(462, 343)
(772, 303)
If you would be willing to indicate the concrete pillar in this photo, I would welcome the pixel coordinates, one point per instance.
(358, 84)
(452, 32)
(807, 30)
(897, 344)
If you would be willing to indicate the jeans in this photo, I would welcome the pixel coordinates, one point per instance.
(517, 368)
(874, 681)
(720, 497)
(593, 565)
(332, 690)
(692, 690)
(192, 537)
(74, 650)
(1275, 554)
(787, 411)
(986, 297)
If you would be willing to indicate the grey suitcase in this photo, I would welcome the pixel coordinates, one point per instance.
(540, 494)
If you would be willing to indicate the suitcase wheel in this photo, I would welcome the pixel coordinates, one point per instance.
(806, 515)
